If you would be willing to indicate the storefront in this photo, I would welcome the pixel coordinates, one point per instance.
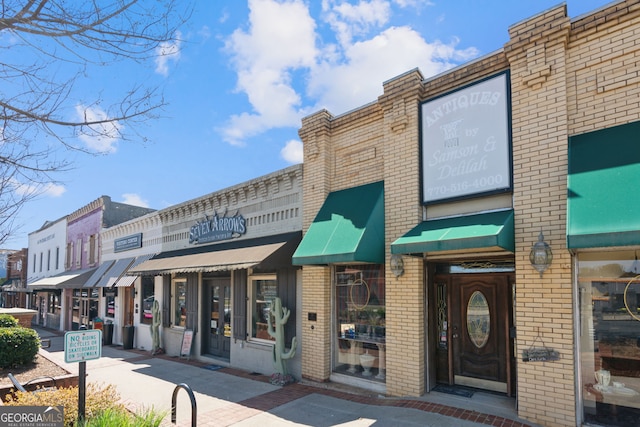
(50, 292)
(505, 251)
(348, 233)
(603, 230)
(225, 259)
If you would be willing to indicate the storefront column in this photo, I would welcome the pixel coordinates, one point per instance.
(316, 323)
(537, 55)
(405, 355)
(405, 341)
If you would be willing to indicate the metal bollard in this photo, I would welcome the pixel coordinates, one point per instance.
(194, 409)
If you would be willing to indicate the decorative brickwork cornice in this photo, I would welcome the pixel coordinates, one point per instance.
(606, 17)
(99, 203)
(313, 127)
(531, 41)
(397, 92)
(317, 123)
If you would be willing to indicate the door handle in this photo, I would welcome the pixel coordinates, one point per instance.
(455, 335)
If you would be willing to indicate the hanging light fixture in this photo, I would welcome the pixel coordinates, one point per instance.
(397, 265)
(541, 255)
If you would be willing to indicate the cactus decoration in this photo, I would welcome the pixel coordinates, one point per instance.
(281, 316)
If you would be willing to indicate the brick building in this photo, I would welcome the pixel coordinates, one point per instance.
(430, 218)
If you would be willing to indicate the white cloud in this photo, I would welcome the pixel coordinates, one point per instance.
(28, 190)
(348, 20)
(101, 136)
(280, 39)
(135, 200)
(204, 32)
(292, 152)
(167, 52)
(413, 3)
(358, 79)
(289, 66)
(54, 190)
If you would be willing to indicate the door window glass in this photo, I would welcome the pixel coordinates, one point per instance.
(478, 319)
(609, 339)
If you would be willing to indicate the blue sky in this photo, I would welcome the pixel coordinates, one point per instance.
(243, 75)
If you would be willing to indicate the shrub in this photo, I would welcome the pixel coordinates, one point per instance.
(98, 399)
(8, 321)
(18, 346)
(124, 418)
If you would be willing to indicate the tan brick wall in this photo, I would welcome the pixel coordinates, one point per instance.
(316, 298)
(603, 69)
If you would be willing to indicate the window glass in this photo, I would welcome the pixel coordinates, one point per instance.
(360, 321)
(110, 299)
(264, 289)
(84, 307)
(478, 319)
(148, 297)
(180, 303)
(608, 291)
(53, 303)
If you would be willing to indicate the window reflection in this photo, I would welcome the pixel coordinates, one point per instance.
(263, 292)
(180, 303)
(148, 297)
(608, 286)
(360, 321)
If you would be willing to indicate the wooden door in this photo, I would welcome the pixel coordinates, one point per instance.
(480, 323)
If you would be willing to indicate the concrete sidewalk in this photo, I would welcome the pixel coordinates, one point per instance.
(230, 397)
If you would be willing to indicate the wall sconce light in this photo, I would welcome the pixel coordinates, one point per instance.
(397, 265)
(541, 255)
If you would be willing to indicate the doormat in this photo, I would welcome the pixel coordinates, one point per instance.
(213, 367)
(453, 389)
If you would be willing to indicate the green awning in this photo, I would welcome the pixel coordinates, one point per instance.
(603, 204)
(491, 231)
(348, 228)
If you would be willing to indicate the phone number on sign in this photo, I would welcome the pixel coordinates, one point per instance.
(465, 186)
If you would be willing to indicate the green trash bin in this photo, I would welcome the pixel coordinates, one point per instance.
(127, 337)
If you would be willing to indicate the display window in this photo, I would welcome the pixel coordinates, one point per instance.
(609, 339)
(180, 303)
(263, 290)
(360, 328)
(148, 297)
(110, 300)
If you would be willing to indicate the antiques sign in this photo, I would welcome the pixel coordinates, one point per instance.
(215, 228)
(466, 141)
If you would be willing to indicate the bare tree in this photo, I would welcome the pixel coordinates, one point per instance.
(49, 48)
